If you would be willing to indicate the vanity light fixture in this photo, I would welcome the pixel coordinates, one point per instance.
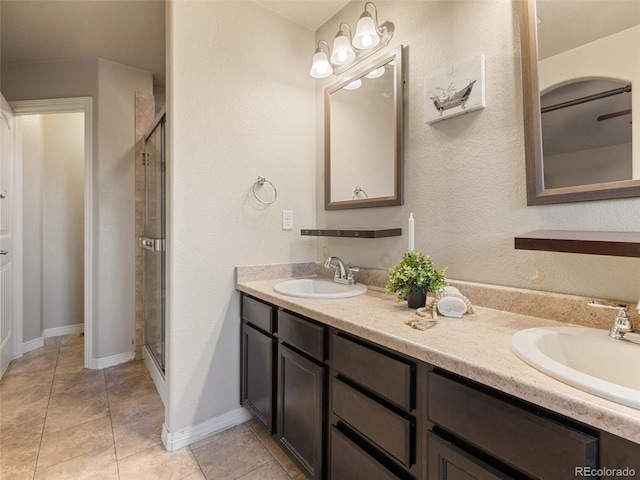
(320, 66)
(347, 51)
(367, 33)
(377, 73)
(342, 49)
(357, 83)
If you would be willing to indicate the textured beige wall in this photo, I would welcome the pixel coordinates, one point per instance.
(62, 206)
(240, 104)
(53, 221)
(32, 149)
(465, 176)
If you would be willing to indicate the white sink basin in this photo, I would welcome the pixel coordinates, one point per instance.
(318, 288)
(585, 358)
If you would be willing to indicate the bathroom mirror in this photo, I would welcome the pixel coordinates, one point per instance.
(363, 136)
(582, 57)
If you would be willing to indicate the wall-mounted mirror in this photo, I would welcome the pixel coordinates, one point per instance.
(363, 136)
(579, 66)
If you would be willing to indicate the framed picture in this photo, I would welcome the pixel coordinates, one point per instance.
(454, 91)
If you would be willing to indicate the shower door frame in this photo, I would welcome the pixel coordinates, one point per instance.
(155, 244)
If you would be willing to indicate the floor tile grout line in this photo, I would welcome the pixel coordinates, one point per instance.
(278, 462)
(46, 414)
(197, 463)
(73, 458)
(113, 437)
(260, 466)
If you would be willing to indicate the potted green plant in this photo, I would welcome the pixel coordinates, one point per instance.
(414, 277)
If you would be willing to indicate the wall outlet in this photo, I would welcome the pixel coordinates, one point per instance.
(287, 219)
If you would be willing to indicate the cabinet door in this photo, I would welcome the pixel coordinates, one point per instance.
(257, 375)
(300, 410)
(448, 462)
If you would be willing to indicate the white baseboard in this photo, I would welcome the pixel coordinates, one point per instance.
(66, 330)
(154, 371)
(106, 362)
(32, 344)
(176, 440)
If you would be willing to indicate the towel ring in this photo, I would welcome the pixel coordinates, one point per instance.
(259, 183)
(357, 192)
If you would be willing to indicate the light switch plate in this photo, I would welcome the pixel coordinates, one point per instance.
(287, 219)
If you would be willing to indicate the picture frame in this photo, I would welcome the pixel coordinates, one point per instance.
(456, 90)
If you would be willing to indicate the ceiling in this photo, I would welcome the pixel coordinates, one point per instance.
(309, 13)
(131, 32)
(568, 24)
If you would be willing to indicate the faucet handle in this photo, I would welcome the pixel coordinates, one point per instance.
(622, 323)
(621, 307)
(350, 271)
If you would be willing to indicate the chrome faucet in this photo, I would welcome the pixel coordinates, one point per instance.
(344, 273)
(622, 326)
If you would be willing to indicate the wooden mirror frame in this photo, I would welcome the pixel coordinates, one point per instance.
(536, 193)
(394, 55)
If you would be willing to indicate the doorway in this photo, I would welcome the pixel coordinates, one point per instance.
(53, 152)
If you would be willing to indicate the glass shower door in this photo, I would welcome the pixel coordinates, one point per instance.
(153, 244)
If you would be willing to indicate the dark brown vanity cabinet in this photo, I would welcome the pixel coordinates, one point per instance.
(373, 406)
(301, 392)
(344, 408)
(258, 365)
(283, 380)
(488, 436)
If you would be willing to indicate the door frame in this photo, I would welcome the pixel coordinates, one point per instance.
(44, 107)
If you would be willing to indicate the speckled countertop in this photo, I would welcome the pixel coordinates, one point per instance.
(476, 346)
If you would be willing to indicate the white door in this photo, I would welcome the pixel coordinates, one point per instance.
(6, 246)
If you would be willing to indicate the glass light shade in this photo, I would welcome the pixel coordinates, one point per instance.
(342, 51)
(320, 67)
(354, 85)
(366, 33)
(378, 72)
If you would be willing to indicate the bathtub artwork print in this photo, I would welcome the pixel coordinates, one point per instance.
(454, 91)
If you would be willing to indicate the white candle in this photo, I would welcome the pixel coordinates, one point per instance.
(412, 233)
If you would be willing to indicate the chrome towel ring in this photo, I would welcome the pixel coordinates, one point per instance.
(260, 183)
(359, 193)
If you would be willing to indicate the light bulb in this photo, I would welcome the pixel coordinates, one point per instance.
(366, 33)
(320, 66)
(378, 72)
(354, 85)
(342, 51)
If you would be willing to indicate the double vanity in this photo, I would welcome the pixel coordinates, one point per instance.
(350, 391)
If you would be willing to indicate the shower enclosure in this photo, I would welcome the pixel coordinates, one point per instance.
(153, 242)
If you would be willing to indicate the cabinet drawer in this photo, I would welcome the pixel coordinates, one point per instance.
(349, 462)
(448, 462)
(302, 334)
(384, 375)
(530, 443)
(388, 430)
(257, 313)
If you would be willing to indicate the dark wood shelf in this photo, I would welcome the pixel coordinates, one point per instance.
(620, 244)
(353, 233)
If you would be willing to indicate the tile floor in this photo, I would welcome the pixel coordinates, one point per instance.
(60, 421)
